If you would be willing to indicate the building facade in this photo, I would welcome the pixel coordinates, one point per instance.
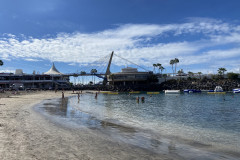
(129, 76)
(51, 79)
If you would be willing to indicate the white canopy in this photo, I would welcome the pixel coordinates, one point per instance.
(53, 70)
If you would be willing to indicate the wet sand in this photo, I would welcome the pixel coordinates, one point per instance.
(27, 134)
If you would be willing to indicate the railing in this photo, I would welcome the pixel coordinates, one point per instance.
(31, 81)
(87, 74)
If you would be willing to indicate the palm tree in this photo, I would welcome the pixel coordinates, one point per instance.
(221, 71)
(1, 62)
(176, 61)
(172, 63)
(154, 65)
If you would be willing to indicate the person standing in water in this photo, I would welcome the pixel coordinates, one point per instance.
(137, 99)
(96, 95)
(143, 99)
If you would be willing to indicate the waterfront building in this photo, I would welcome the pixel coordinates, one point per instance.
(129, 76)
(48, 80)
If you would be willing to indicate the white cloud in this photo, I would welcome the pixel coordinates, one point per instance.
(143, 44)
(7, 71)
(32, 60)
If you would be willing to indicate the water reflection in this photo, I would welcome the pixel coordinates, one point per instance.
(61, 108)
(57, 107)
(109, 114)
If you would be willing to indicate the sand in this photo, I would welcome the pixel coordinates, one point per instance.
(26, 134)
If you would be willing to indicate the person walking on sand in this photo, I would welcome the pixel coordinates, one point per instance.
(62, 94)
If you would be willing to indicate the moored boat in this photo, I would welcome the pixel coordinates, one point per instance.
(112, 92)
(192, 91)
(153, 92)
(134, 92)
(217, 90)
(236, 90)
(172, 91)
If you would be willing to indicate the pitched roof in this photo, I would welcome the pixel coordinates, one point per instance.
(53, 70)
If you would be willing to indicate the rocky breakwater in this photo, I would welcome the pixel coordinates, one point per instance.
(202, 84)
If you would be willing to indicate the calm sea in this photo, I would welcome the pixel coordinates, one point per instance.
(201, 118)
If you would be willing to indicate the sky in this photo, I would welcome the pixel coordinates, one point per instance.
(79, 35)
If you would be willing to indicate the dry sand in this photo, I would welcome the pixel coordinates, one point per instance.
(26, 134)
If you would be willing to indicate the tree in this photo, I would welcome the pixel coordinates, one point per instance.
(1, 62)
(176, 61)
(221, 71)
(191, 74)
(172, 63)
(180, 72)
(90, 83)
(159, 66)
(232, 75)
(154, 65)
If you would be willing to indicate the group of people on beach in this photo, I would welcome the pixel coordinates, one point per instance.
(96, 95)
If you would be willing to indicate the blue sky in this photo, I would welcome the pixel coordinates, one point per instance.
(203, 34)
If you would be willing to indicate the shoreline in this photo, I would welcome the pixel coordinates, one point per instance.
(26, 134)
(130, 134)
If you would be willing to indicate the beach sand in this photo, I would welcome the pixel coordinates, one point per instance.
(26, 134)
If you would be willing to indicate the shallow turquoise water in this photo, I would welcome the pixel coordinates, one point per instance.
(207, 119)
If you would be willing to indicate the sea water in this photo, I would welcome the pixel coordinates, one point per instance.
(202, 119)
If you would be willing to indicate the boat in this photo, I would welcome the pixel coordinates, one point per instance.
(236, 90)
(113, 93)
(217, 90)
(153, 92)
(172, 91)
(134, 92)
(191, 91)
